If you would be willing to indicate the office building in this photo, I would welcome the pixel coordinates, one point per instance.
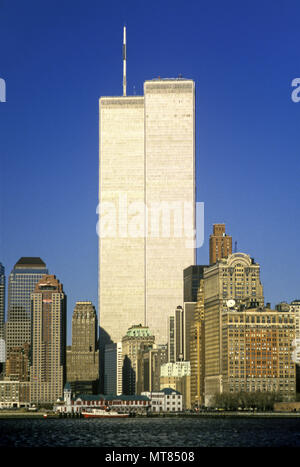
(21, 283)
(83, 357)
(257, 348)
(197, 349)
(136, 338)
(234, 278)
(294, 307)
(220, 244)
(175, 335)
(179, 332)
(113, 369)
(146, 189)
(150, 359)
(2, 317)
(17, 363)
(191, 280)
(48, 344)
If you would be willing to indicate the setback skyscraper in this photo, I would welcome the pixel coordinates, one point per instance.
(83, 357)
(48, 346)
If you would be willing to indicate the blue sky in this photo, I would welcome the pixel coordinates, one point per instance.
(59, 57)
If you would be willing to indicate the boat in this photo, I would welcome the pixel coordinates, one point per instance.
(101, 413)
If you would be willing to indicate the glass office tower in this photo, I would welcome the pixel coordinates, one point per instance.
(21, 283)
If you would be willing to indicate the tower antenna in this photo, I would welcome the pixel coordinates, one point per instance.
(124, 61)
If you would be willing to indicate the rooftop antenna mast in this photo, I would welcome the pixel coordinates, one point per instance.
(124, 61)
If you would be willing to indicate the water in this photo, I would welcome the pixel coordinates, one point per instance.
(140, 432)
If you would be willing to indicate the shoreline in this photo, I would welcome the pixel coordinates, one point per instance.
(40, 415)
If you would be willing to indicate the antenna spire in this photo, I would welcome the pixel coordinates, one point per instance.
(124, 61)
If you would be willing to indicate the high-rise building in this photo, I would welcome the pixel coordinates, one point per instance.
(220, 244)
(113, 369)
(179, 332)
(191, 281)
(197, 349)
(2, 316)
(136, 337)
(21, 283)
(150, 359)
(175, 335)
(257, 350)
(234, 278)
(83, 357)
(147, 205)
(17, 363)
(48, 343)
(294, 307)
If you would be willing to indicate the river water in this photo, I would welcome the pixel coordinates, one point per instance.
(151, 432)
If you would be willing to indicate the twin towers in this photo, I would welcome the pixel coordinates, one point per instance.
(146, 206)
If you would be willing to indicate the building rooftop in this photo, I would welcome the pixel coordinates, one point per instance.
(30, 262)
(111, 397)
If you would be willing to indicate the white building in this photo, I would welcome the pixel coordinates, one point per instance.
(166, 400)
(175, 369)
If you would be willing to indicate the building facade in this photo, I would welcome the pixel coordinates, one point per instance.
(257, 355)
(197, 350)
(113, 369)
(150, 360)
(137, 337)
(234, 278)
(17, 363)
(74, 405)
(147, 166)
(220, 244)
(191, 280)
(83, 357)
(2, 316)
(21, 283)
(14, 394)
(166, 400)
(48, 343)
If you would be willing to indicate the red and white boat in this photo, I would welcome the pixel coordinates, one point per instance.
(100, 413)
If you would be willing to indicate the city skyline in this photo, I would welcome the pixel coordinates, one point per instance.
(246, 162)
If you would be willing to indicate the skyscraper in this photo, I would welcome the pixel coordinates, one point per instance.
(236, 278)
(48, 345)
(257, 350)
(220, 244)
(2, 315)
(21, 283)
(197, 350)
(191, 282)
(147, 205)
(83, 358)
(136, 338)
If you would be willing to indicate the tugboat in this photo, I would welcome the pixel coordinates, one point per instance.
(101, 413)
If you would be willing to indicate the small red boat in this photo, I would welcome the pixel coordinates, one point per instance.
(100, 413)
